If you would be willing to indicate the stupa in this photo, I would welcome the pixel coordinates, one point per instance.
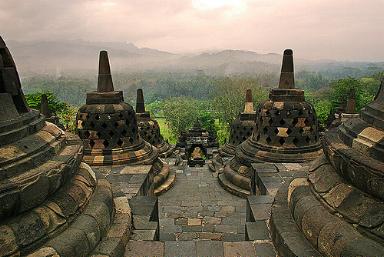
(108, 126)
(51, 203)
(48, 114)
(338, 209)
(286, 130)
(346, 111)
(241, 128)
(149, 128)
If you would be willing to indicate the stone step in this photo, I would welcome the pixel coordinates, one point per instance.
(233, 189)
(204, 248)
(144, 235)
(168, 184)
(144, 206)
(258, 207)
(257, 230)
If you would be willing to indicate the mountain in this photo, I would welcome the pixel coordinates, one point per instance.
(82, 56)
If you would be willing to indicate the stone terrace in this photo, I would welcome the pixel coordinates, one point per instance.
(197, 207)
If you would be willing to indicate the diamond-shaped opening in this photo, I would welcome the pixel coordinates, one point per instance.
(120, 142)
(276, 130)
(97, 117)
(111, 134)
(106, 143)
(306, 122)
(289, 131)
(98, 134)
(281, 141)
(308, 139)
(301, 130)
(268, 139)
(267, 112)
(91, 143)
(295, 121)
(282, 122)
(244, 138)
(295, 141)
(104, 125)
(87, 134)
(265, 130)
(249, 133)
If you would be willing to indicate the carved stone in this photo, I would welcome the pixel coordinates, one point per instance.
(286, 130)
(108, 126)
(149, 128)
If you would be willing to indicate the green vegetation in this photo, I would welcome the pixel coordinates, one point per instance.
(179, 99)
(65, 112)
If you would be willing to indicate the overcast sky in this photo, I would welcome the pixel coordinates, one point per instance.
(315, 29)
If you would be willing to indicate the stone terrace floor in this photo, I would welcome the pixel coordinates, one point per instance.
(198, 208)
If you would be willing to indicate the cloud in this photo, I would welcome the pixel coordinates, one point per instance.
(343, 29)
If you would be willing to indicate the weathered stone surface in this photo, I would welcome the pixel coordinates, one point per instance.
(180, 248)
(209, 248)
(144, 249)
(238, 249)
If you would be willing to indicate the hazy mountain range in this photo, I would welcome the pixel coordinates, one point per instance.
(82, 56)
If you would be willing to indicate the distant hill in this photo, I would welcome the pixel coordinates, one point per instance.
(82, 56)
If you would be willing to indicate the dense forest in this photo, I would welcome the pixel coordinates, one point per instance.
(176, 99)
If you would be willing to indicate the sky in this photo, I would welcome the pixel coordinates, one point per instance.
(315, 29)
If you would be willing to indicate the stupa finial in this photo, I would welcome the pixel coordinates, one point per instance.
(104, 83)
(287, 78)
(140, 106)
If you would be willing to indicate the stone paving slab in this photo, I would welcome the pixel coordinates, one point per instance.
(144, 249)
(201, 208)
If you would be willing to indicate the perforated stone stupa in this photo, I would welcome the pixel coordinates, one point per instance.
(149, 128)
(51, 204)
(286, 130)
(345, 111)
(108, 126)
(241, 128)
(338, 208)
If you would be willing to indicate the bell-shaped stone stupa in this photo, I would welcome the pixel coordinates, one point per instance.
(241, 128)
(108, 126)
(339, 207)
(51, 203)
(149, 128)
(286, 130)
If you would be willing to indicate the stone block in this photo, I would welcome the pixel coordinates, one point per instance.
(257, 230)
(144, 249)
(209, 248)
(238, 249)
(180, 248)
(264, 249)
